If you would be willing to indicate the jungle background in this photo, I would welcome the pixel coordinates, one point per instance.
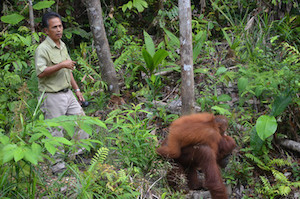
(246, 66)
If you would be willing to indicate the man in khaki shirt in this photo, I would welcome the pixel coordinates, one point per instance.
(54, 70)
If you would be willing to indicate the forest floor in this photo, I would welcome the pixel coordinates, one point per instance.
(65, 183)
(169, 93)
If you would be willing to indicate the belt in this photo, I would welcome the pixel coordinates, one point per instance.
(60, 91)
(63, 90)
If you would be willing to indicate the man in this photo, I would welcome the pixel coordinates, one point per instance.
(54, 70)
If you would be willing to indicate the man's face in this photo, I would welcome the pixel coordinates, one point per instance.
(55, 29)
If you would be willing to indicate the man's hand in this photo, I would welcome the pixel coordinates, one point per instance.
(68, 64)
(79, 96)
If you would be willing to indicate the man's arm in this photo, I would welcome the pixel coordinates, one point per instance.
(75, 86)
(52, 69)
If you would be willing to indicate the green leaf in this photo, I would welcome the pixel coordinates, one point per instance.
(280, 103)
(50, 148)
(127, 5)
(36, 37)
(255, 142)
(148, 59)
(35, 137)
(8, 152)
(25, 40)
(96, 121)
(12, 19)
(52, 122)
(4, 139)
(173, 39)
(158, 57)
(36, 148)
(227, 37)
(224, 106)
(140, 5)
(265, 126)
(83, 145)
(152, 79)
(200, 39)
(62, 140)
(142, 68)
(69, 128)
(201, 70)
(259, 90)
(235, 44)
(149, 44)
(210, 25)
(42, 130)
(87, 128)
(221, 70)
(224, 98)
(30, 156)
(43, 4)
(242, 84)
(68, 35)
(273, 39)
(220, 110)
(87, 142)
(19, 153)
(144, 3)
(91, 140)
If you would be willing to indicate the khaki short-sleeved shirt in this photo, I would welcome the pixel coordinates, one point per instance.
(48, 54)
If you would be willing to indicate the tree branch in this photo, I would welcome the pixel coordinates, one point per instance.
(290, 144)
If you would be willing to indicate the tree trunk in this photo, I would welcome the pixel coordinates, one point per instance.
(108, 71)
(31, 20)
(186, 53)
(57, 5)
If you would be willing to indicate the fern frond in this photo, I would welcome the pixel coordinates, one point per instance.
(266, 183)
(279, 162)
(259, 163)
(296, 184)
(99, 157)
(122, 176)
(87, 68)
(284, 190)
(291, 49)
(173, 13)
(279, 176)
(293, 54)
(122, 59)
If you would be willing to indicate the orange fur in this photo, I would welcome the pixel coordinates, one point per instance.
(204, 158)
(198, 142)
(201, 128)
